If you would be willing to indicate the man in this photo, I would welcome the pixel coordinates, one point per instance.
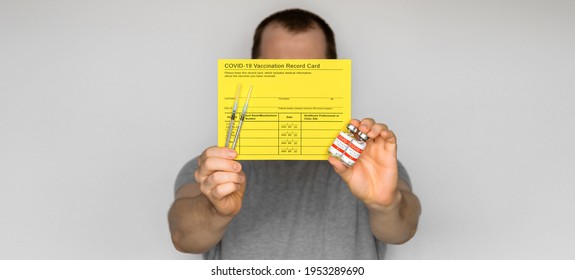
(228, 209)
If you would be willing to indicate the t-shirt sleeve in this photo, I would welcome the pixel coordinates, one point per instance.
(403, 175)
(186, 174)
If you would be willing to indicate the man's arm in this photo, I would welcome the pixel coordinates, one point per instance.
(393, 208)
(194, 225)
(396, 223)
(202, 211)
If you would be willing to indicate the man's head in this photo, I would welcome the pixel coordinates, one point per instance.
(294, 34)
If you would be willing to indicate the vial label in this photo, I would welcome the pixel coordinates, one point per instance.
(340, 144)
(352, 152)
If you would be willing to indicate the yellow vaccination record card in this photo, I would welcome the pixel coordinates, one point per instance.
(295, 109)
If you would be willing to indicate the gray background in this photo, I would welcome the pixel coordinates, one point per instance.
(102, 102)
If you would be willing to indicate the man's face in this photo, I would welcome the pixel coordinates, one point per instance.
(279, 43)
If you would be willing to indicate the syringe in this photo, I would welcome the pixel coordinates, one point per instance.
(242, 118)
(233, 117)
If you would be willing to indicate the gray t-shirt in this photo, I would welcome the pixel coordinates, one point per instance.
(295, 210)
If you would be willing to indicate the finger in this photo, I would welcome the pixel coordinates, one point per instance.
(219, 152)
(211, 165)
(340, 168)
(219, 177)
(223, 190)
(212, 152)
(389, 136)
(355, 122)
(366, 124)
(376, 130)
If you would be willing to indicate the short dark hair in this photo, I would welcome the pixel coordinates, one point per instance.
(295, 20)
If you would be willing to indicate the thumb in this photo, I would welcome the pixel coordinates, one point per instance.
(340, 168)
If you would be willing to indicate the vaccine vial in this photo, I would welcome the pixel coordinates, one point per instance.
(356, 146)
(342, 141)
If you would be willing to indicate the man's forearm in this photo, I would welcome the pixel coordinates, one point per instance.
(397, 223)
(194, 225)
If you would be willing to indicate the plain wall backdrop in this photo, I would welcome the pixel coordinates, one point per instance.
(102, 102)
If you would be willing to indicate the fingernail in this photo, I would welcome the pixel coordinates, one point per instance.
(232, 154)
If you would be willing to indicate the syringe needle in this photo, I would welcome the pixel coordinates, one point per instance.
(233, 117)
(242, 118)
